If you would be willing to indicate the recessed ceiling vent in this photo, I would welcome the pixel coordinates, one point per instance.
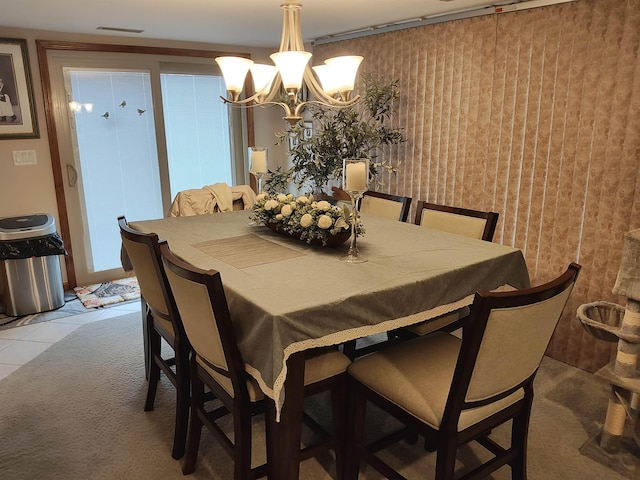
(118, 29)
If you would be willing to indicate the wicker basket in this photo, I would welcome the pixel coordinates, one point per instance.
(602, 319)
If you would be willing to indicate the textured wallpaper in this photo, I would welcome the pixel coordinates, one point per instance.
(535, 115)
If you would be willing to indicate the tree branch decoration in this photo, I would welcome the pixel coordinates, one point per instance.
(358, 131)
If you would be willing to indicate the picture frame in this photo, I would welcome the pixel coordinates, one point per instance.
(17, 108)
(306, 134)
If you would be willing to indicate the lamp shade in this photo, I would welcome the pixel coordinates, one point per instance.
(345, 68)
(234, 70)
(291, 65)
(262, 77)
(327, 78)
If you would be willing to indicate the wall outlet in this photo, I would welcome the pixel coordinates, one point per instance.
(24, 157)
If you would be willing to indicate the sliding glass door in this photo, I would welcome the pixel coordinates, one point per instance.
(197, 128)
(133, 136)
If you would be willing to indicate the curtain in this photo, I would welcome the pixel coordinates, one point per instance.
(533, 114)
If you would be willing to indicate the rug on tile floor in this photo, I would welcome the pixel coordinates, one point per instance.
(109, 293)
(72, 306)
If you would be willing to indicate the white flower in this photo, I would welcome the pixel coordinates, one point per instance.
(260, 197)
(271, 204)
(309, 219)
(306, 220)
(324, 206)
(286, 210)
(325, 221)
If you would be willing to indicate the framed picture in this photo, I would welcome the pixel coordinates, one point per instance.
(17, 109)
(306, 134)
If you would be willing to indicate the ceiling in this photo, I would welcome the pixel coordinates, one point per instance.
(254, 23)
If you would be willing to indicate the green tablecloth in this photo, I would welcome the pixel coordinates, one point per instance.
(286, 296)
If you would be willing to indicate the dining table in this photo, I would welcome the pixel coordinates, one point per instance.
(287, 297)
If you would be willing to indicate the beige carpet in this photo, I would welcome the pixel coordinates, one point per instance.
(75, 412)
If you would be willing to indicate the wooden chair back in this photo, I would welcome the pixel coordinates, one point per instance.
(462, 221)
(515, 325)
(201, 300)
(144, 254)
(161, 319)
(394, 207)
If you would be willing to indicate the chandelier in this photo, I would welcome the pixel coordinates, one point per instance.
(333, 86)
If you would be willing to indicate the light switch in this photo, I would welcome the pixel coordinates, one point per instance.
(24, 157)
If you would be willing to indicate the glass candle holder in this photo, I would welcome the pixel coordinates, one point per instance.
(258, 157)
(355, 179)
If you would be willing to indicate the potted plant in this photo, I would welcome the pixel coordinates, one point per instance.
(358, 131)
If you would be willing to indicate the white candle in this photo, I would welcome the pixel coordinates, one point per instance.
(356, 177)
(259, 161)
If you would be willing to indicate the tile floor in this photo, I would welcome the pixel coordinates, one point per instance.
(21, 344)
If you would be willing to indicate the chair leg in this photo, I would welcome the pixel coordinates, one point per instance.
(349, 349)
(154, 370)
(446, 458)
(242, 444)
(519, 434)
(338, 414)
(183, 399)
(355, 432)
(195, 423)
(146, 318)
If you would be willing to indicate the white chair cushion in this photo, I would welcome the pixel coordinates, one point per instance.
(417, 375)
(255, 393)
(381, 207)
(325, 365)
(317, 368)
(453, 223)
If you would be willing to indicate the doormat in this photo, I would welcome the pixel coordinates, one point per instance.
(72, 306)
(108, 293)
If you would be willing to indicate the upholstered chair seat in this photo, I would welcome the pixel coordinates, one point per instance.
(380, 373)
(457, 390)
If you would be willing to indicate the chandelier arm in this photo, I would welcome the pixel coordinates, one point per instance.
(285, 107)
(302, 105)
(291, 28)
(274, 90)
(255, 99)
(321, 97)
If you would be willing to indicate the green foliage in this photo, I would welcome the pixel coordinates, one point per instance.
(278, 181)
(359, 131)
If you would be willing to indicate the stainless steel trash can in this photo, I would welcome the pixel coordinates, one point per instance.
(30, 275)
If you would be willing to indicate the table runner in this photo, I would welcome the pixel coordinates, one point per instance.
(246, 251)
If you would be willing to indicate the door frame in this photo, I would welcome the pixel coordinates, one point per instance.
(42, 47)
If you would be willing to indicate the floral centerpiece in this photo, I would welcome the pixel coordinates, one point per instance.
(303, 217)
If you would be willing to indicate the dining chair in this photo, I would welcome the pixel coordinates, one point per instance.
(394, 207)
(462, 221)
(161, 321)
(456, 391)
(217, 364)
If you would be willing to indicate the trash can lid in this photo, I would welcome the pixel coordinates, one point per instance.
(37, 225)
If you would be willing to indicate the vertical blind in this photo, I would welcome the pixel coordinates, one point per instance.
(535, 115)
